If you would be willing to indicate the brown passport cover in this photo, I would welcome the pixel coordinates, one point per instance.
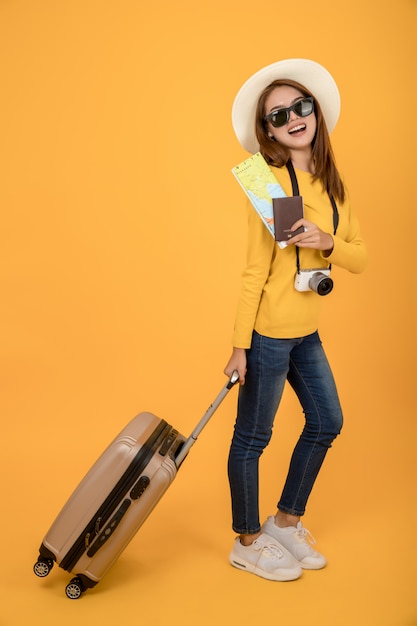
(286, 212)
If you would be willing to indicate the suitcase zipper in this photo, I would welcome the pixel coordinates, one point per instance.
(108, 507)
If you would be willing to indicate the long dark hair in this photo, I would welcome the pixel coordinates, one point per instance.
(276, 154)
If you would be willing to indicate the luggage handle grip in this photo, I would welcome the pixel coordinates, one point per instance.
(185, 448)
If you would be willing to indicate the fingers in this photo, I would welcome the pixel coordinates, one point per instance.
(242, 373)
(312, 237)
(302, 222)
(303, 239)
(237, 362)
(307, 226)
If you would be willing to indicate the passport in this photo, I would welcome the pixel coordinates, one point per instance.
(287, 211)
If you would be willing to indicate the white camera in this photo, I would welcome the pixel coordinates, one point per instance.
(317, 280)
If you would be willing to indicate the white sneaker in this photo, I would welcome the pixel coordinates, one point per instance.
(298, 542)
(266, 558)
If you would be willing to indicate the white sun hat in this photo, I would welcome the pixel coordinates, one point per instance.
(308, 73)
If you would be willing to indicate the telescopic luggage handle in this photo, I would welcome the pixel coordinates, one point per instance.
(207, 415)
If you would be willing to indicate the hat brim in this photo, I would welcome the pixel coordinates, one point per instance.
(308, 73)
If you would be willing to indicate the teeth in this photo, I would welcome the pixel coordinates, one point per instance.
(297, 128)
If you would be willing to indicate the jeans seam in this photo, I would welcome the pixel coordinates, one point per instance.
(313, 447)
(254, 429)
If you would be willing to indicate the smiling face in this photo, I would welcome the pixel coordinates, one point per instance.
(298, 133)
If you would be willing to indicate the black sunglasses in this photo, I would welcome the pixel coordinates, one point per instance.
(280, 117)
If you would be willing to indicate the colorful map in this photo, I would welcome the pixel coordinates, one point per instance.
(260, 185)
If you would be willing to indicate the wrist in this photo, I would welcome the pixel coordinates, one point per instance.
(329, 249)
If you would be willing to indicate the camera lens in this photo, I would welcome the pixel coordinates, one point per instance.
(320, 283)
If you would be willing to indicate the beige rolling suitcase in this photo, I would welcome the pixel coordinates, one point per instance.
(115, 497)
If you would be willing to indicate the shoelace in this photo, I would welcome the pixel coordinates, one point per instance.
(304, 535)
(270, 549)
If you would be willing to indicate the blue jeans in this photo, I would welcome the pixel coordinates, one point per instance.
(270, 362)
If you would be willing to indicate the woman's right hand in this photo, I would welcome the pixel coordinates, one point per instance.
(237, 362)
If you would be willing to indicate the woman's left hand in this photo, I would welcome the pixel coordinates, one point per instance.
(312, 237)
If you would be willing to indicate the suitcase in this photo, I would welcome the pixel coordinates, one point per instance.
(116, 496)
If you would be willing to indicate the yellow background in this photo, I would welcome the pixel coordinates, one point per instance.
(122, 243)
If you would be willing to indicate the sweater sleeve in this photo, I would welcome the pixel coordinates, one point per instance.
(260, 250)
(349, 251)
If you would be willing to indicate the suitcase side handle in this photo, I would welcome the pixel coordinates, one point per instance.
(185, 448)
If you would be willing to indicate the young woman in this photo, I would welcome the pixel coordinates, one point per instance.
(286, 111)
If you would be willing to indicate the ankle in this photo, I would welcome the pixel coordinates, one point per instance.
(247, 540)
(283, 520)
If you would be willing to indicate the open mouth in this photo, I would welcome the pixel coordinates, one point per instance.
(297, 129)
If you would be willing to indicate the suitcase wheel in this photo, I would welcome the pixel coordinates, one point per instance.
(74, 589)
(42, 567)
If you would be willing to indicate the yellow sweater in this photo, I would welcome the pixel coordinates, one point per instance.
(268, 302)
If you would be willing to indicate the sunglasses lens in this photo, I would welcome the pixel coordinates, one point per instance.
(303, 108)
(279, 118)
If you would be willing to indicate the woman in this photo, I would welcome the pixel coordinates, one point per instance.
(286, 111)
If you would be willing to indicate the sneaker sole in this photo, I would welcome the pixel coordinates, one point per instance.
(311, 566)
(245, 566)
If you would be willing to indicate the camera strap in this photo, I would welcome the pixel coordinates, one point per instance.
(296, 192)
